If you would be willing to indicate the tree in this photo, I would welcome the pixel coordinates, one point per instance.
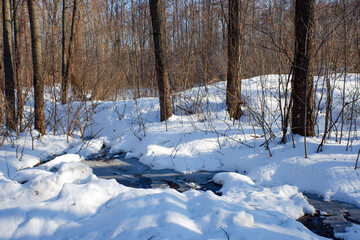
(2, 82)
(66, 64)
(17, 60)
(38, 80)
(235, 41)
(159, 37)
(302, 115)
(64, 85)
(8, 67)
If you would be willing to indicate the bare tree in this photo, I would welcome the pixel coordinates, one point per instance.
(17, 60)
(66, 70)
(8, 67)
(162, 74)
(235, 41)
(38, 78)
(64, 85)
(2, 87)
(112, 52)
(302, 117)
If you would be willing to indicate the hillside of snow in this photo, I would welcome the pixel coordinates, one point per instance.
(262, 179)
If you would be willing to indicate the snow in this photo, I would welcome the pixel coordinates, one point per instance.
(351, 233)
(261, 196)
(103, 209)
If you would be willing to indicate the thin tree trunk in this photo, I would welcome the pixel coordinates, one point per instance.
(345, 70)
(38, 72)
(17, 62)
(327, 112)
(235, 40)
(8, 67)
(159, 37)
(66, 82)
(302, 115)
(64, 90)
(2, 83)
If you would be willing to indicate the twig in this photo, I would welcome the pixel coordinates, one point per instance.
(87, 143)
(357, 159)
(227, 235)
(106, 204)
(332, 125)
(135, 134)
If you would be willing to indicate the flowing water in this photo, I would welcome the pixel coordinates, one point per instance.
(331, 216)
(130, 172)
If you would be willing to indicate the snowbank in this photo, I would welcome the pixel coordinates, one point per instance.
(261, 195)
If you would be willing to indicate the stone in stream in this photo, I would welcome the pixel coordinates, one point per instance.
(316, 224)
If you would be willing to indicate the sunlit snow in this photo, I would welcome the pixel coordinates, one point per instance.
(261, 195)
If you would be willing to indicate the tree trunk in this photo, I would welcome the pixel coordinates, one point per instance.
(2, 82)
(235, 41)
(37, 66)
(159, 37)
(64, 91)
(66, 66)
(302, 115)
(17, 61)
(8, 67)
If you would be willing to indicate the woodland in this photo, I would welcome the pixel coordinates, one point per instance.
(104, 50)
(179, 119)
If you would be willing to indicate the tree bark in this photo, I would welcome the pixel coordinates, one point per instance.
(235, 41)
(64, 91)
(2, 82)
(17, 61)
(66, 71)
(162, 74)
(8, 67)
(37, 66)
(302, 115)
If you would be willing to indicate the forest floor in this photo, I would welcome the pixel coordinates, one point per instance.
(48, 197)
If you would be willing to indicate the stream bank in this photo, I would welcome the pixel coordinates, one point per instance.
(331, 216)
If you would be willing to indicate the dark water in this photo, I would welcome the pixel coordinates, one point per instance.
(130, 172)
(331, 216)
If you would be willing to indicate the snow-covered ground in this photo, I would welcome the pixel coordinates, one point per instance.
(261, 195)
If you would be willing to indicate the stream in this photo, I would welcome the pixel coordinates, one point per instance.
(330, 217)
